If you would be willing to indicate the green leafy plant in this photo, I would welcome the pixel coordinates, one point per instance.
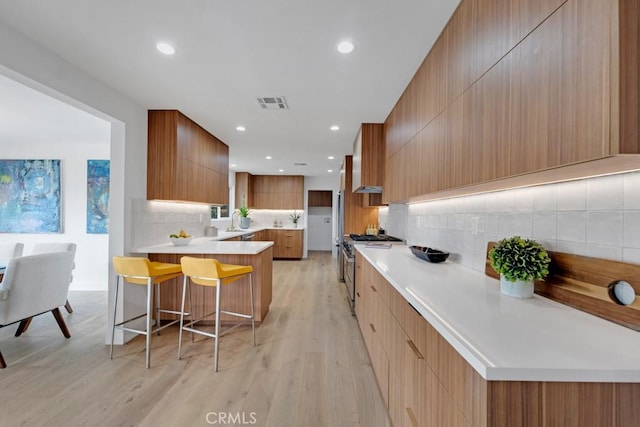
(520, 259)
(244, 211)
(295, 216)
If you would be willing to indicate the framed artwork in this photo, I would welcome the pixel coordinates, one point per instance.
(30, 196)
(97, 196)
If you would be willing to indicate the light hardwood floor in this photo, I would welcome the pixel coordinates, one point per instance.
(309, 368)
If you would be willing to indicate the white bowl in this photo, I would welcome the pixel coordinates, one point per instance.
(180, 241)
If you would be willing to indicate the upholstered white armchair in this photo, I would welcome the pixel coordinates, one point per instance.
(48, 247)
(8, 251)
(33, 285)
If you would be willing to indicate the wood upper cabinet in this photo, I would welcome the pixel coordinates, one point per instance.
(320, 198)
(244, 189)
(278, 192)
(184, 161)
(517, 88)
(368, 159)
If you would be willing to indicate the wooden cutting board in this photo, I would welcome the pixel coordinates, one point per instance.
(585, 283)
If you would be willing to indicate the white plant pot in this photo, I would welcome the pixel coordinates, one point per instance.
(245, 222)
(517, 289)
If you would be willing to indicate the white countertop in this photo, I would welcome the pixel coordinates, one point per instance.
(206, 245)
(505, 338)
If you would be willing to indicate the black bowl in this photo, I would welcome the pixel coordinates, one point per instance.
(429, 254)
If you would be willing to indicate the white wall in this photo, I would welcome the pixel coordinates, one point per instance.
(91, 272)
(597, 217)
(24, 61)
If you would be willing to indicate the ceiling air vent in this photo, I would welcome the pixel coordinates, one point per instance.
(273, 103)
(299, 164)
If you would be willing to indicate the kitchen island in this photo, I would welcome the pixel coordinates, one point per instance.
(449, 349)
(234, 297)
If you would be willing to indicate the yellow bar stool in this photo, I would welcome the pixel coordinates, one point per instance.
(211, 272)
(141, 271)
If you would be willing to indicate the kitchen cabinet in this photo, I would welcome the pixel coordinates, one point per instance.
(287, 244)
(244, 189)
(318, 198)
(185, 162)
(507, 97)
(278, 192)
(356, 216)
(368, 159)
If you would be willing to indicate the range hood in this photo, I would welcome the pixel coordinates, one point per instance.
(368, 159)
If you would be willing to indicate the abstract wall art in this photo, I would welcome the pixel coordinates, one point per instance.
(30, 196)
(98, 196)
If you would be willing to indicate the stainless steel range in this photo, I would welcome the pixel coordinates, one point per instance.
(349, 259)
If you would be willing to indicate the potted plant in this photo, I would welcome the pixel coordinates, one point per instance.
(245, 221)
(519, 262)
(295, 216)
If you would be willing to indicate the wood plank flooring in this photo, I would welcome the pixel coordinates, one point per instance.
(309, 368)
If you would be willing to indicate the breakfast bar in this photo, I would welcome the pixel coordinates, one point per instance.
(257, 254)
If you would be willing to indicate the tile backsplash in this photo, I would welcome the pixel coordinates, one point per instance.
(597, 217)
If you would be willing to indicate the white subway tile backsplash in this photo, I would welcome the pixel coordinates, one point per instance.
(604, 228)
(595, 217)
(605, 252)
(632, 190)
(631, 229)
(544, 225)
(605, 193)
(631, 255)
(571, 196)
(571, 226)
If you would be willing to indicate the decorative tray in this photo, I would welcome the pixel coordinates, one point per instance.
(429, 254)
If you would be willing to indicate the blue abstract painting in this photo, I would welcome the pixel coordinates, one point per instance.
(30, 196)
(98, 196)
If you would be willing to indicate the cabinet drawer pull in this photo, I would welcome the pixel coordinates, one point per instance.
(412, 417)
(358, 294)
(373, 288)
(373, 328)
(415, 349)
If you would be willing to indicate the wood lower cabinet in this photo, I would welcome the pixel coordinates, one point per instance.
(426, 382)
(286, 243)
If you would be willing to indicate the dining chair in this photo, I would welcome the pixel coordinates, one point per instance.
(34, 285)
(9, 250)
(47, 247)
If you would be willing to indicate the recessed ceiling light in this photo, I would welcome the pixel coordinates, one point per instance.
(233, 165)
(165, 48)
(345, 47)
(330, 170)
(335, 127)
(240, 128)
(280, 170)
(330, 157)
(268, 157)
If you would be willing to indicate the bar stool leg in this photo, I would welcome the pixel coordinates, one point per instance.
(215, 356)
(156, 289)
(149, 316)
(115, 310)
(253, 316)
(184, 291)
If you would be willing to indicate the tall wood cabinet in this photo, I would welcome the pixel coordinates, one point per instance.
(518, 88)
(184, 161)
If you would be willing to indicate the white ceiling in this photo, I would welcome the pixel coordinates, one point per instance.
(228, 52)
